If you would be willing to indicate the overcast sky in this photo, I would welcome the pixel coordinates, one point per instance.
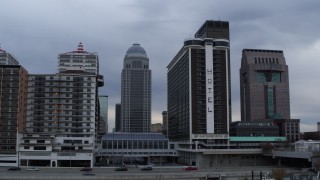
(36, 31)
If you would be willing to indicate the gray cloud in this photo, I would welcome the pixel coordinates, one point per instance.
(36, 31)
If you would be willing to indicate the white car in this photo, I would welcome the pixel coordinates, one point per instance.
(33, 169)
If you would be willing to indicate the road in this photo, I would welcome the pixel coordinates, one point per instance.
(132, 173)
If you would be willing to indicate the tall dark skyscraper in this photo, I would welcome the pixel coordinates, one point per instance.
(264, 85)
(199, 98)
(136, 91)
(117, 118)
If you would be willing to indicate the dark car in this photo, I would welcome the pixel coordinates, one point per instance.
(122, 168)
(14, 169)
(190, 168)
(147, 168)
(86, 169)
(313, 170)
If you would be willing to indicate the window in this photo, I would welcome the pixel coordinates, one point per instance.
(39, 148)
(40, 141)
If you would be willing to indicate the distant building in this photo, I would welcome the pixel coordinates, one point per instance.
(289, 128)
(7, 58)
(136, 91)
(264, 89)
(135, 148)
(79, 58)
(318, 126)
(61, 117)
(118, 118)
(254, 128)
(165, 123)
(157, 127)
(13, 107)
(264, 85)
(199, 100)
(62, 121)
(103, 120)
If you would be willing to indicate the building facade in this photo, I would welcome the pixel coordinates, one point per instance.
(264, 85)
(289, 128)
(264, 89)
(156, 128)
(117, 118)
(165, 123)
(255, 128)
(7, 58)
(13, 106)
(103, 116)
(80, 59)
(135, 148)
(63, 114)
(61, 120)
(199, 101)
(136, 91)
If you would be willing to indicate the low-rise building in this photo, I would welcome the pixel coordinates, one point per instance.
(135, 148)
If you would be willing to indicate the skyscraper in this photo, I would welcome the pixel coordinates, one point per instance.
(13, 107)
(165, 123)
(199, 100)
(63, 114)
(103, 119)
(117, 118)
(264, 88)
(136, 91)
(264, 85)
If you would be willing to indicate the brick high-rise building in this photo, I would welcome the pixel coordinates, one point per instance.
(13, 107)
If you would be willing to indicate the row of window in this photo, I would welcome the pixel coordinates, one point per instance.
(134, 144)
(259, 60)
(123, 153)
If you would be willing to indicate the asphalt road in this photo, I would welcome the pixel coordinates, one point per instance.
(132, 173)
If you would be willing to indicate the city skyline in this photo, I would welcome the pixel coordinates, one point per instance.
(37, 34)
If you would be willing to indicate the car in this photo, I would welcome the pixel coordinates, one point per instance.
(86, 169)
(88, 174)
(33, 169)
(313, 170)
(147, 168)
(14, 169)
(122, 168)
(190, 168)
